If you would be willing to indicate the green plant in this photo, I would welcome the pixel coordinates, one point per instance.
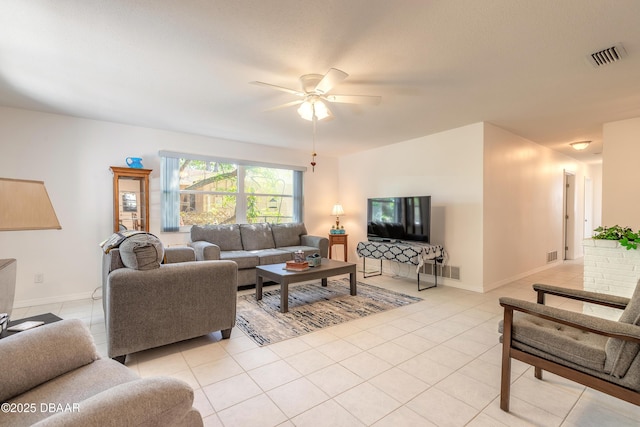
(625, 235)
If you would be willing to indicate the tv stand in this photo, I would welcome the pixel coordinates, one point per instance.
(404, 252)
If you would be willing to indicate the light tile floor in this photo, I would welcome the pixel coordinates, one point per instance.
(433, 363)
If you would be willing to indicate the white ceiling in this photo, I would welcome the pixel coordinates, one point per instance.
(186, 66)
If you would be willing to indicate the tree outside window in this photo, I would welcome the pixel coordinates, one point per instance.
(224, 193)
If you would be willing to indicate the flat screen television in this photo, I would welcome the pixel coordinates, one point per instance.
(399, 218)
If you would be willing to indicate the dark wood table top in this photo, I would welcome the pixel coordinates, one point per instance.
(46, 318)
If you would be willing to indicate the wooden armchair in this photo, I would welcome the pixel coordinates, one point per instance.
(598, 353)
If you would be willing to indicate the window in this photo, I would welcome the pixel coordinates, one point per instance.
(201, 190)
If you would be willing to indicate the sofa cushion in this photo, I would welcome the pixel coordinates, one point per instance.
(244, 259)
(620, 354)
(288, 234)
(26, 361)
(142, 252)
(226, 236)
(256, 236)
(273, 256)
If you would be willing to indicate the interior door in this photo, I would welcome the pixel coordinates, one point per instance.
(569, 215)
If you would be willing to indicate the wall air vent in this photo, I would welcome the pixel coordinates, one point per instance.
(447, 271)
(607, 56)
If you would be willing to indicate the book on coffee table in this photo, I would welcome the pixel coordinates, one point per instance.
(296, 266)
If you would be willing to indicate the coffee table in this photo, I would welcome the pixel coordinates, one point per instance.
(277, 273)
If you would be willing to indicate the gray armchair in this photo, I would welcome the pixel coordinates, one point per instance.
(598, 353)
(178, 300)
(58, 366)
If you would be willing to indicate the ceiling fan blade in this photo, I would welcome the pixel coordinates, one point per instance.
(332, 78)
(288, 104)
(283, 89)
(354, 99)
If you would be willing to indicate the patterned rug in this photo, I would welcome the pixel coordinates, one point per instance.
(312, 307)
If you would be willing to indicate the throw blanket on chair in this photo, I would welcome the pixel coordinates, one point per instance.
(116, 239)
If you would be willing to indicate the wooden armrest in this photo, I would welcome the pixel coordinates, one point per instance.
(607, 300)
(605, 327)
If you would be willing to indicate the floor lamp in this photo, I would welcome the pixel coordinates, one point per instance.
(24, 205)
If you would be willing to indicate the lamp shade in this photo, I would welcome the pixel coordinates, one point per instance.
(337, 210)
(25, 205)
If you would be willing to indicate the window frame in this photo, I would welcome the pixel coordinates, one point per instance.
(170, 188)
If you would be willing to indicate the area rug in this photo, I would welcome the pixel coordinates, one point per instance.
(312, 307)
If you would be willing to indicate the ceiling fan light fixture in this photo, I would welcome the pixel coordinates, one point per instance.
(315, 107)
(580, 145)
(321, 110)
(306, 110)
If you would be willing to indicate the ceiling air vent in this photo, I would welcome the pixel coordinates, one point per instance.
(607, 56)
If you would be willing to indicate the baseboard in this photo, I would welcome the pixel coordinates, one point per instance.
(521, 275)
(52, 300)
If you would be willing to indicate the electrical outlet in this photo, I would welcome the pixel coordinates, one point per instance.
(38, 278)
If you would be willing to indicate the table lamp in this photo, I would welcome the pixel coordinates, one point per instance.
(337, 211)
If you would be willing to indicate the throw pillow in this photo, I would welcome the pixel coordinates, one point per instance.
(142, 252)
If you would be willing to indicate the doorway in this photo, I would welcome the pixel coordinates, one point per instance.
(569, 214)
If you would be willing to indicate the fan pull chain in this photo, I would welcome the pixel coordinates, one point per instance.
(313, 153)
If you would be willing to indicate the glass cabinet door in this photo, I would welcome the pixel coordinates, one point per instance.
(130, 198)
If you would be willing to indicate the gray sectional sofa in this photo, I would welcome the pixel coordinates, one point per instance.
(251, 245)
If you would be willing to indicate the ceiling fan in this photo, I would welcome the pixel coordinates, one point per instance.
(314, 96)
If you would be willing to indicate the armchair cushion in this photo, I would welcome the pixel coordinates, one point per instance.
(156, 401)
(179, 254)
(568, 343)
(226, 236)
(620, 354)
(26, 361)
(142, 252)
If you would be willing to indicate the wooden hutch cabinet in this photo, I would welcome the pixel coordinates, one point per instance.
(130, 198)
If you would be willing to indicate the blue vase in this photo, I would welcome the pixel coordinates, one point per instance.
(134, 162)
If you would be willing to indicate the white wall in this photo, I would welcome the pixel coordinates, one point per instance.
(620, 191)
(72, 156)
(594, 171)
(523, 206)
(447, 166)
(483, 180)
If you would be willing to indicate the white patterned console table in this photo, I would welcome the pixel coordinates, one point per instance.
(404, 252)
